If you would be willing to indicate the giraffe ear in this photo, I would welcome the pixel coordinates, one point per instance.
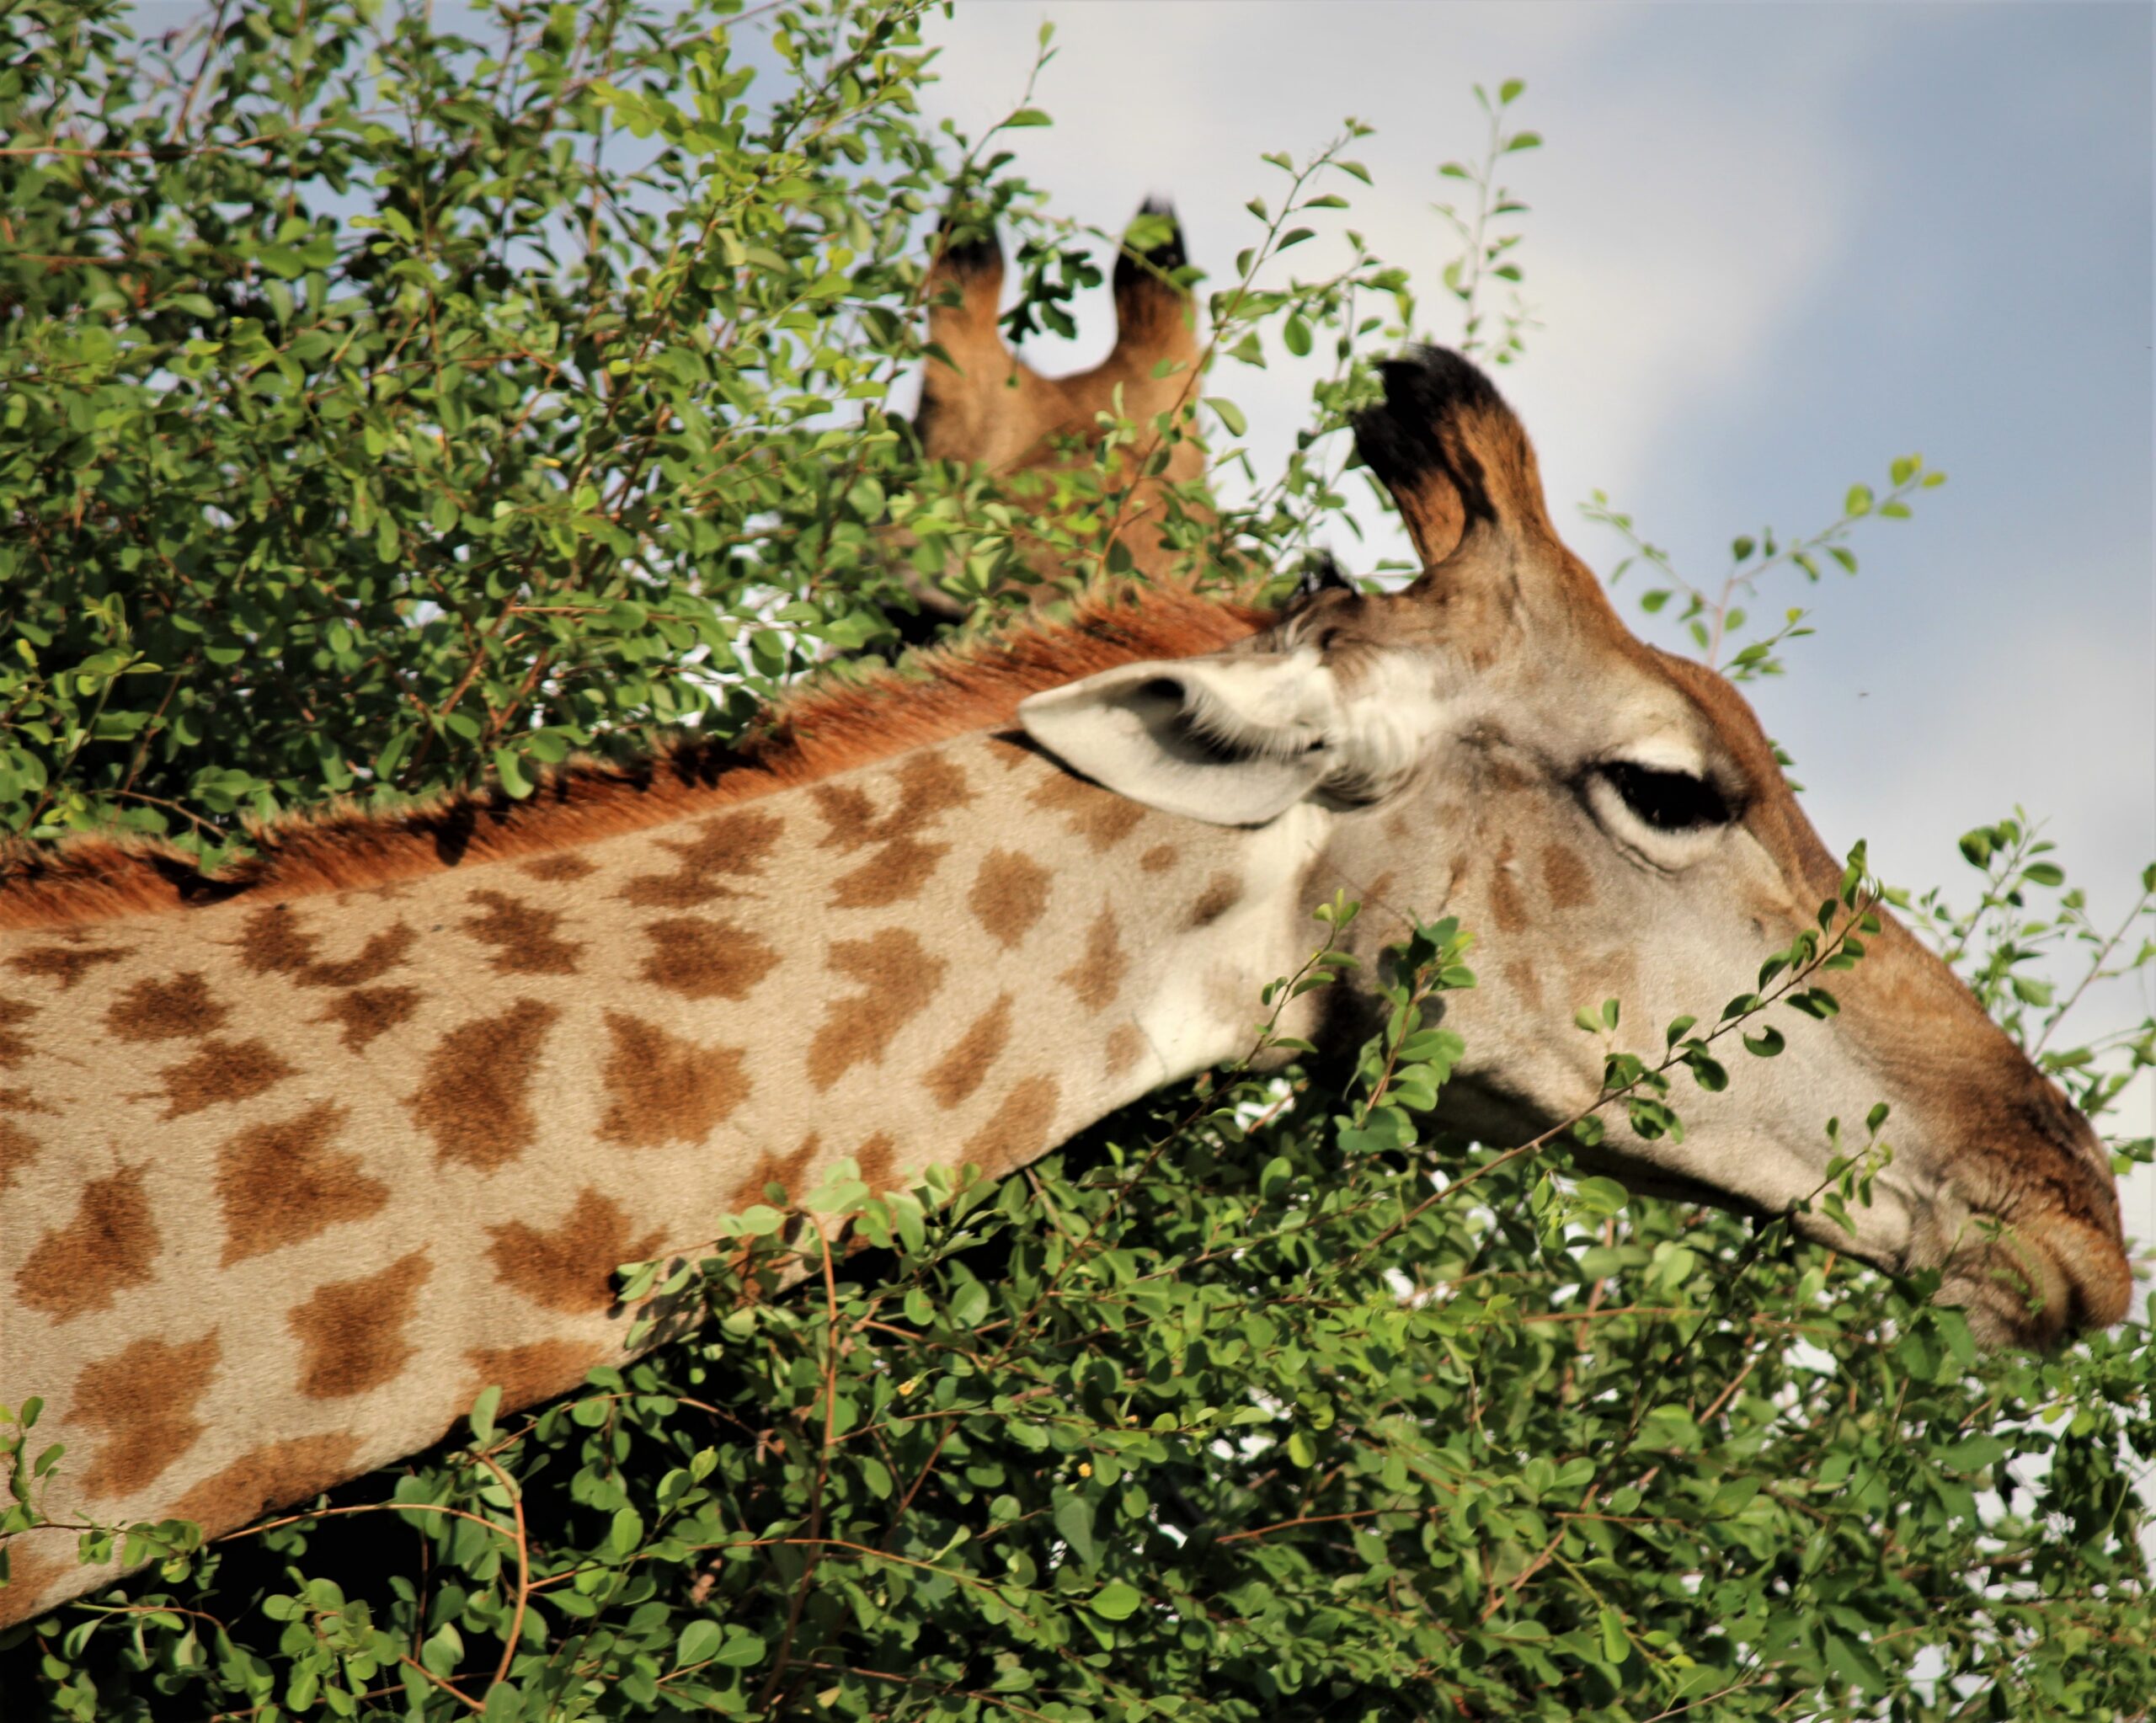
(1458, 465)
(1232, 741)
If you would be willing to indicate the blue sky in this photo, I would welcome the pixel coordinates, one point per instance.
(1772, 247)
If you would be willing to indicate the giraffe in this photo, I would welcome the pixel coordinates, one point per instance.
(301, 1158)
(982, 405)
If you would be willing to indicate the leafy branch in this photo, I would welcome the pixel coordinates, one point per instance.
(1715, 617)
(1485, 252)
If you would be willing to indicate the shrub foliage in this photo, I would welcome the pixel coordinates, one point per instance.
(386, 409)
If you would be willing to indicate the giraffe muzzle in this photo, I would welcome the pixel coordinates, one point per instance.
(2039, 1281)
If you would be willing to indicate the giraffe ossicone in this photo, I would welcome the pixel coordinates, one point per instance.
(299, 1160)
(1042, 440)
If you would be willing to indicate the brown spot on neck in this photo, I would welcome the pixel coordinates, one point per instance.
(1096, 977)
(701, 959)
(894, 874)
(366, 1012)
(1009, 895)
(153, 1009)
(570, 1267)
(1126, 1042)
(729, 846)
(897, 977)
(17, 1150)
(965, 1067)
(1017, 1131)
(143, 1399)
(14, 1046)
(219, 1074)
(474, 1093)
(787, 1171)
(1100, 817)
(33, 1570)
(276, 1474)
(282, 1183)
(524, 935)
(105, 1249)
(925, 788)
(661, 1088)
(1160, 858)
(875, 1158)
(353, 1331)
(63, 964)
(274, 942)
(556, 870)
(527, 1374)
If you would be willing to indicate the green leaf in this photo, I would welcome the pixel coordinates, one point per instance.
(970, 1303)
(1115, 1602)
(1074, 1522)
(1230, 415)
(699, 1643)
(1852, 1660)
(482, 1414)
(743, 1650)
(509, 768)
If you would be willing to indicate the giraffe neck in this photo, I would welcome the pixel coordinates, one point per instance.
(293, 1182)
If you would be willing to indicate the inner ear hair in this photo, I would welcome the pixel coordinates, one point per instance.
(1221, 733)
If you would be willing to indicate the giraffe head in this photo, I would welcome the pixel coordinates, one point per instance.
(1492, 743)
(981, 405)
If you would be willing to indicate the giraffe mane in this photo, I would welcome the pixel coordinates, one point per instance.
(831, 724)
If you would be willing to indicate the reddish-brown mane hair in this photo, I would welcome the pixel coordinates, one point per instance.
(830, 726)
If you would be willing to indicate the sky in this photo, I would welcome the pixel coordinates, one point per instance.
(1770, 247)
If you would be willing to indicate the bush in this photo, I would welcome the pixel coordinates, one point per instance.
(385, 410)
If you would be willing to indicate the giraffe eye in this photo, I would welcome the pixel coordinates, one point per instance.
(1666, 801)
